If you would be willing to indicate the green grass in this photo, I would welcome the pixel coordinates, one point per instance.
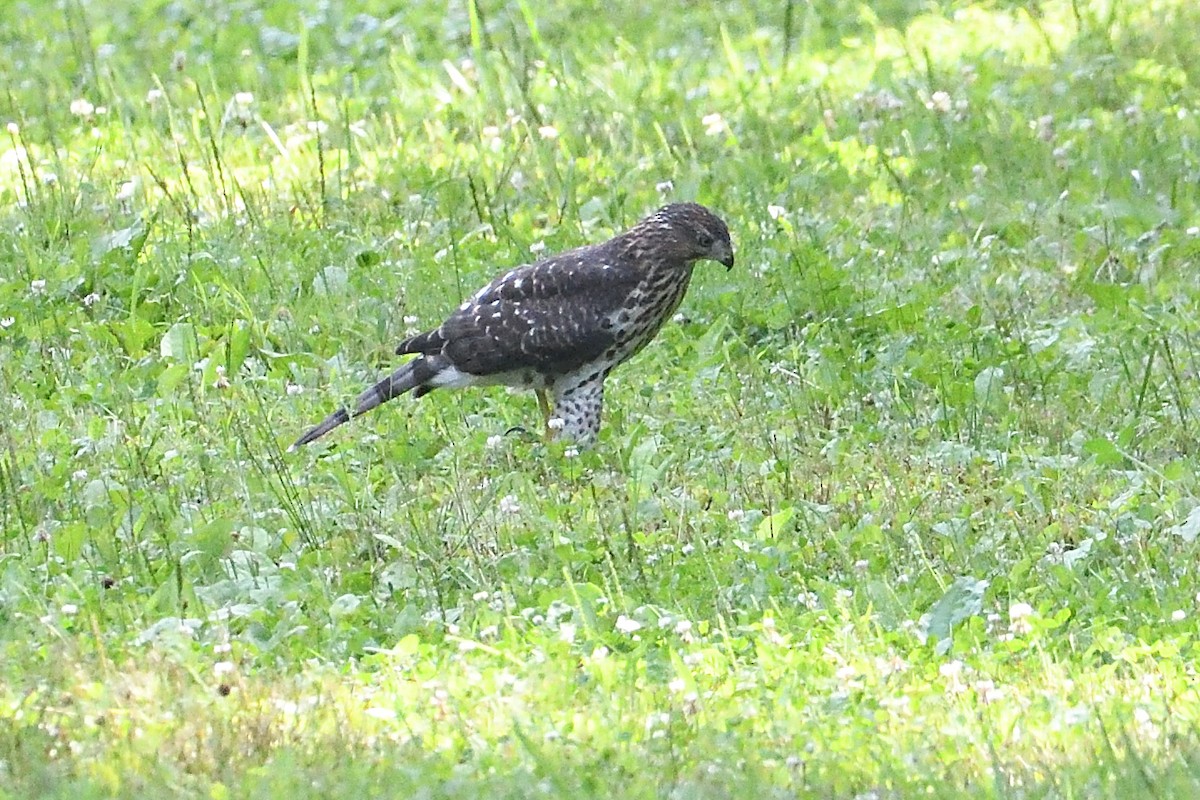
(905, 505)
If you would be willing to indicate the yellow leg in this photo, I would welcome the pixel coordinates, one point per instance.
(544, 404)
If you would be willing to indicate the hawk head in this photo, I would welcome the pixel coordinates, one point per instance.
(688, 232)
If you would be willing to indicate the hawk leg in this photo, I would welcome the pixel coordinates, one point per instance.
(544, 406)
(578, 405)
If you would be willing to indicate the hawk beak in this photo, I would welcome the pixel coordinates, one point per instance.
(726, 258)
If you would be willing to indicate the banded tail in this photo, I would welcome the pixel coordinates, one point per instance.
(416, 374)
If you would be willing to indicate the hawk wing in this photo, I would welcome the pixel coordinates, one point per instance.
(553, 317)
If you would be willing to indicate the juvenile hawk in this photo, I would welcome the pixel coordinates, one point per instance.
(562, 324)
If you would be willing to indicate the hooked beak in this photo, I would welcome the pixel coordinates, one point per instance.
(725, 256)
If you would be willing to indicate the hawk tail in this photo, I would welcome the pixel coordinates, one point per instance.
(413, 375)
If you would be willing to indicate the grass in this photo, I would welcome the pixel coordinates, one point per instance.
(904, 505)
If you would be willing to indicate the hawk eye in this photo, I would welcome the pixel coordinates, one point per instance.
(704, 240)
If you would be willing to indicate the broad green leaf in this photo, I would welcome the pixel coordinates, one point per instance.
(962, 600)
(772, 526)
(179, 343)
(331, 280)
(1189, 529)
(239, 345)
(1106, 453)
(989, 385)
(133, 333)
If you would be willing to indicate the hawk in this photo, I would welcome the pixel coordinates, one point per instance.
(561, 325)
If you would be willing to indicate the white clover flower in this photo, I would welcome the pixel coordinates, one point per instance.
(627, 625)
(548, 132)
(295, 388)
(1178, 615)
(126, 191)
(939, 102)
(777, 212)
(222, 667)
(952, 673)
(663, 187)
(154, 96)
(714, 124)
(891, 666)
(1044, 125)
(657, 719)
(987, 691)
(1019, 611)
(82, 108)
(494, 441)
(1018, 619)
(244, 99)
(509, 504)
(79, 475)
(90, 299)
(556, 423)
(13, 129)
(37, 286)
(69, 609)
(537, 247)
(571, 452)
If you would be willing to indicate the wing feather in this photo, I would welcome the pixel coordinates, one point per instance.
(551, 316)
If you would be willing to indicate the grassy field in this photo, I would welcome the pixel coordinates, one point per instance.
(904, 505)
